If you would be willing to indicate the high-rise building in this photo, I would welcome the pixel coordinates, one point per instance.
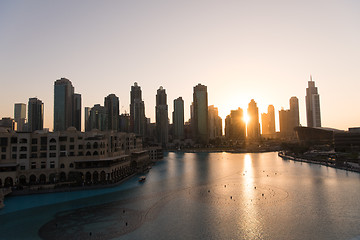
(137, 111)
(124, 122)
(289, 119)
(87, 119)
(268, 121)
(162, 119)
(235, 127)
(20, 116)
(67, 106)
(178, 118)
(98, 118)
(312, 105)
(35, 114)
(215, 122)
(253, 126)
(111, 104)
(200, 118)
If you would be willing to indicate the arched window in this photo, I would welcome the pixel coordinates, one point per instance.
(62, 165)
(88, 153)
(53, 140)
(96, 145)
(95, 153)
(88, 146)
(71, 165)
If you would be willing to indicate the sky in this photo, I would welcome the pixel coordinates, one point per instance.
(241, 50)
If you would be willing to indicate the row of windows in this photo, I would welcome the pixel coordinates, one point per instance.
(43, 165)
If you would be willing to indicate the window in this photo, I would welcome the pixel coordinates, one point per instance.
(23, 156)
(80, 147)
(52, 147)
(14, 140)
(53, 140)
(34, 149)
(62, 147)
(43, 148)
(13, 156)
(72, 147)
(71, 165)
(63, 139)
(43, 140)
(43, 155)
(14, 149)
(23, 140)
(71, 139)
(52, 164)
(34, 141)
(33, 165)
(71, 154)
(22, 167)
(80, 138)
(62, 166)
(52, 155)
(43, 165)
(62, 154)
(3, 157)
(80, 153)
(3, 149)
(3, 141)
(23, 149)
(33, 155)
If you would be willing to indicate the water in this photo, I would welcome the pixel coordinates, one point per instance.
(200, 196)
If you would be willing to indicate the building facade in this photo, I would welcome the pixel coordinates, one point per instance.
(111, 104)
(162, 119)
(215, 123)
(253, 125)
(20, 116)
(268, 122)
(137, 111)
(178, 118)
(235, 127)
(200, 114)
(35, 115)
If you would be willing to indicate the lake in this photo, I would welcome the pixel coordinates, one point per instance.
(199, 196)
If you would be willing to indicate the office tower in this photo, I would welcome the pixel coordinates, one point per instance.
(35, 114)
(235, 128)
(268, 121)
(200, 117)
(77, 111)
(294, 109)
(162, 120)
(215, 123)
(137, 111)
(98, 118)
(67, 106)
(8, 123)
(253, 126)
(285, 122)
(20, 116)
(312, 105)
(178, 118)
(111, 104)
(124, 122)
(87, 119)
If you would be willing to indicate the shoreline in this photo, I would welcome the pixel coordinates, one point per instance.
(323, 163)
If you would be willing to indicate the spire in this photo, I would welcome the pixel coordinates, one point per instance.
(310, 78)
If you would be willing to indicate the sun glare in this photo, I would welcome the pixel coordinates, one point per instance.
(246, 118)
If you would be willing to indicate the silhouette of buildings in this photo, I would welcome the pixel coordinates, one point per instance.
(289, 119)
(87, 119)
(162, 119)
(313, 116)
(253, 125)
(215, 122)
(7, 123)
(235, 127)
(98, 118)
(111, 104)
(199, 119)
(268, 122)
(178, 118)
(20, 116)
(137, 111)
(35, 114)
(67, 106)
(124, 122)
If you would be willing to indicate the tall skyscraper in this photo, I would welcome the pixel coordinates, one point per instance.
(137, 111)
(268, 121)
(235, 127)
(294, 109)
(289, 119)
(87, 119)
(67, 106)
(312, 105)
(111, 104)
(20, 116)
(35, 114)
(253, 126)
(178, 118)
(200, 120)
(98, 118)
(162, 120)
(215, 122)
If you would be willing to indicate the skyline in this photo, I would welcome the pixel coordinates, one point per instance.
(240, 51)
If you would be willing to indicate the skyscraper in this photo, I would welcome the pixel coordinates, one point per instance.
(294, 109)
(98, 118)
(253, 126)
(162, 121)
(67, 106)
(312, 105)
(137, 111)
(235, 127)
(87, 119)
(215, 122)
(200, 120)
(268, 121)
(35, 114)
(20, 116)
(111, 104)
(289, 119)
(178, 118)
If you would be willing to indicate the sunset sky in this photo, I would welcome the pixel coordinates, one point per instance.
(265, 50)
